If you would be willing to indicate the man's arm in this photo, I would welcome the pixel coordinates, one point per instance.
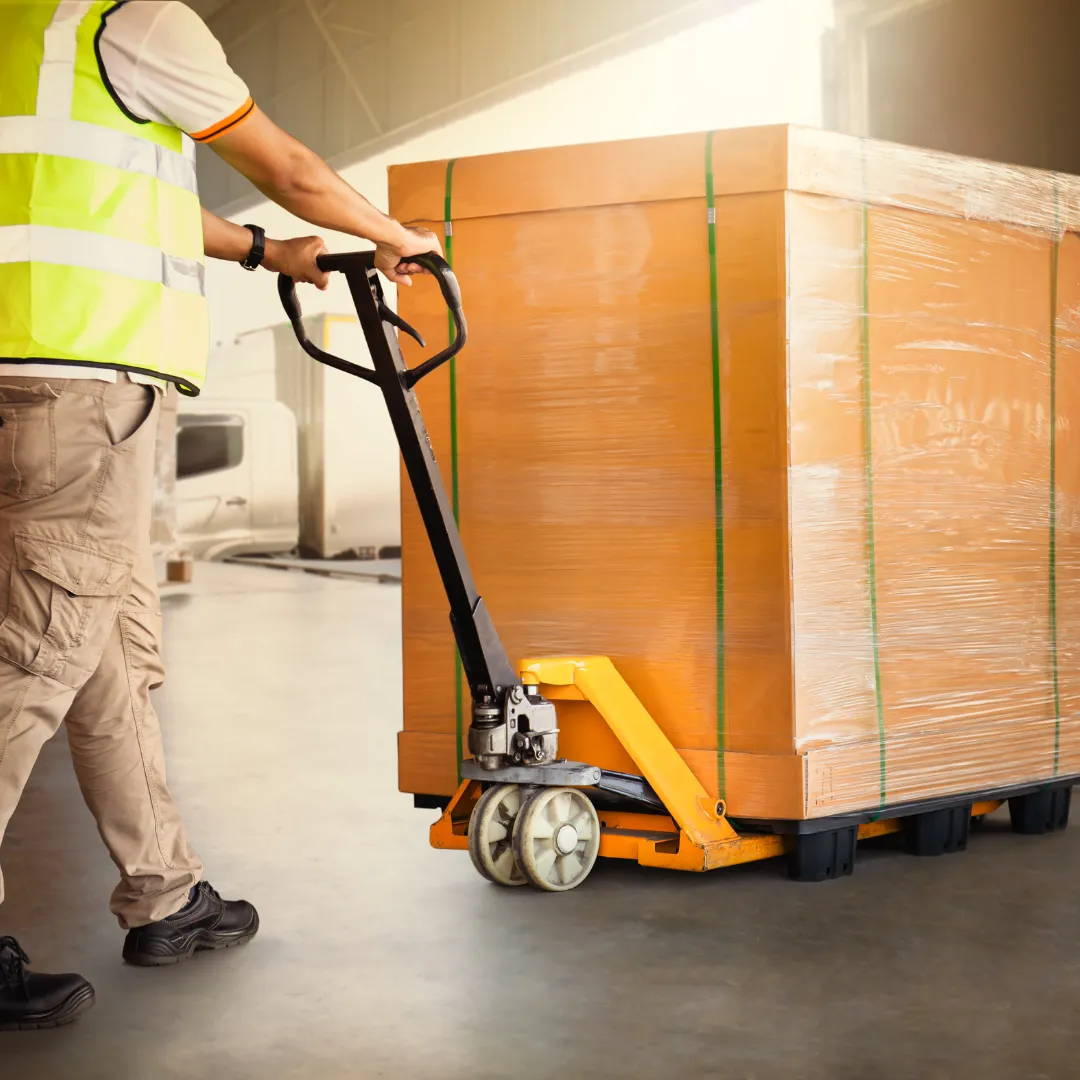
(166, 66)
(294, 177)
(224, 240)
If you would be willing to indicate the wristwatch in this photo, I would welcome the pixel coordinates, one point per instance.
(258, 248)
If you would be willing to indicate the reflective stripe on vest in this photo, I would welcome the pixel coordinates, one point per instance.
(99, 146)
(101, 258)
(71, 247)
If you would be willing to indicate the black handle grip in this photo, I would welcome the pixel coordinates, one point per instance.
(439, 268)
(286, 288)
(362, 262)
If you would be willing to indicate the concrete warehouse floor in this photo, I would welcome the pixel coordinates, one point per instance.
(382, 958)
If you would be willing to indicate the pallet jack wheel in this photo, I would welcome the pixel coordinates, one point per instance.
(491, 828)
(557, 838)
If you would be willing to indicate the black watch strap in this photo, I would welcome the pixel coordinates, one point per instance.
(258, 248)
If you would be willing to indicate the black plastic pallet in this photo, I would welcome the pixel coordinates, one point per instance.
(933, 830)
(938, 832)
(900, 810)
(1040, 812)
(819, 856)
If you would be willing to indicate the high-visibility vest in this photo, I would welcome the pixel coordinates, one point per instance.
(101, 244)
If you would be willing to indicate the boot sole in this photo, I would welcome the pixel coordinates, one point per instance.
(79, 1002)
(201, 941)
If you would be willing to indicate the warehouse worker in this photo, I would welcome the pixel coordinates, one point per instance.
(102, 241)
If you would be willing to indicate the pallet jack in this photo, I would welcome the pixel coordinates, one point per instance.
(527, 816)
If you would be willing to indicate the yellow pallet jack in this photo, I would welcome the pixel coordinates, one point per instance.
(527, 816)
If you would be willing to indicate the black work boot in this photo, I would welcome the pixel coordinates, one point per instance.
(208, 922)
(30, 1000)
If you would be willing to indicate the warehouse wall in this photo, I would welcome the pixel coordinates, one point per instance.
(984, 78)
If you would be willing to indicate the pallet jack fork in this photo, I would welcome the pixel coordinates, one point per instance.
(525, 815)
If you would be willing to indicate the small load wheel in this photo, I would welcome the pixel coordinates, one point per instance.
(557, 838)
(491, 828)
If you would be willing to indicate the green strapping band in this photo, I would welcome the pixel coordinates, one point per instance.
(459, 705)
(1054, 260)
(870, 539)
(718, 471)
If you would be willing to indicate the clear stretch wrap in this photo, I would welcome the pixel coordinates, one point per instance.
(781, 421)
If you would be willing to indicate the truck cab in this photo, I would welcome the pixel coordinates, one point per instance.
(237, 479)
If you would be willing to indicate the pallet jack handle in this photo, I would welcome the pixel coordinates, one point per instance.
(363, 262)
(487, 667)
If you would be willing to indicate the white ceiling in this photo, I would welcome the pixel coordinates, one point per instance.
(353, 77)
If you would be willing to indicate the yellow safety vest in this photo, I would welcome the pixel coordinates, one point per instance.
(101, 245)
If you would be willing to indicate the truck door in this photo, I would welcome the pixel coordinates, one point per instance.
(213, 482)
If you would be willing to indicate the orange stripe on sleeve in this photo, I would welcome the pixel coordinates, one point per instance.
(215, 131)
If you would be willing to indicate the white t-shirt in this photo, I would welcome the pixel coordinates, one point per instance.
(164, 65)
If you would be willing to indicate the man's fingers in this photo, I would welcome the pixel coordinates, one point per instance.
(318, 247)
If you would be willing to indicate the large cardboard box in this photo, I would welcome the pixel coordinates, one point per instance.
(787, 424)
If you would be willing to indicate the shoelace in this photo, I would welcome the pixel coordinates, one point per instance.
(205, 886)
(13, 963)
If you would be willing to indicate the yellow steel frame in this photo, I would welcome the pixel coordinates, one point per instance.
(694, 835)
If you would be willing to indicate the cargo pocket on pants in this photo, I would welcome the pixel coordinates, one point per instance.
(141, 628)
(62, 602)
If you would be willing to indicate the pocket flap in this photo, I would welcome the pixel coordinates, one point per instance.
(80, 570)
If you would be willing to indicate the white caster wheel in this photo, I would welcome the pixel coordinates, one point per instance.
(557, 838)
(491, 828)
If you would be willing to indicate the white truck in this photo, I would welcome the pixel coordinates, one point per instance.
(237, 480)
(282, 453)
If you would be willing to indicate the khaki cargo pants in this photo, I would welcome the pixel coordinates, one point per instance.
(80, 636)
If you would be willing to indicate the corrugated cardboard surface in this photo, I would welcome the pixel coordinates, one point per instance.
(896, 603)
